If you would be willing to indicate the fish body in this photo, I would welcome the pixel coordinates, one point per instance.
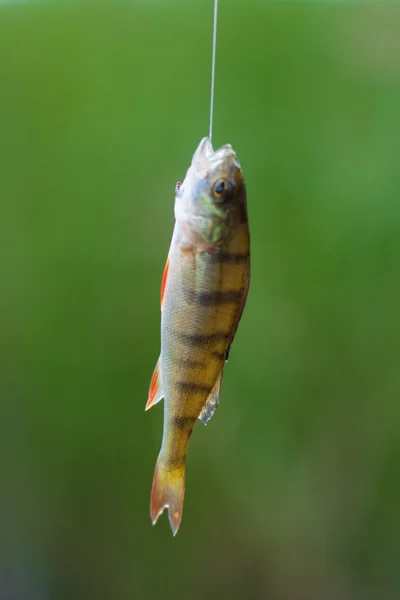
(204, 289)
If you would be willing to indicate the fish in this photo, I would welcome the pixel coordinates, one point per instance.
(204, 289)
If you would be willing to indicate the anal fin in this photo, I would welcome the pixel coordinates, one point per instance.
(156, 392)
(212, 401)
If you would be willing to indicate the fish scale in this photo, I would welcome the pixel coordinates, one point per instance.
(204, 289)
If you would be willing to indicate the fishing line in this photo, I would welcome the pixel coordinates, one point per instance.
(214, 48)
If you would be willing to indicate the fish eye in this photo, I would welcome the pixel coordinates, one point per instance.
(220, 188)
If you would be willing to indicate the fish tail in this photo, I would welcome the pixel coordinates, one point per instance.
(168, 491)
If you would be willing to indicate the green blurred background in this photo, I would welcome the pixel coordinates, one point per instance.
(293, 490)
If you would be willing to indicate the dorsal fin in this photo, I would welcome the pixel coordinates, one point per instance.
(212, 401)
(238, 317)
(164, 282)
(156, 392)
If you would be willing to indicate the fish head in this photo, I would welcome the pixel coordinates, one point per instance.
(211, 201)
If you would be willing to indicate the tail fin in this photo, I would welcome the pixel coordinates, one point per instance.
(168, 491)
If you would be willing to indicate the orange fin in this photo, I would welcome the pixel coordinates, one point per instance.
(156, 392)
(212, 401)
(168, 491)
(164, 281)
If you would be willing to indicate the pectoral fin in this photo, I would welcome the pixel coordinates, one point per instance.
(164, 282)
(212, 402)
(156, 392)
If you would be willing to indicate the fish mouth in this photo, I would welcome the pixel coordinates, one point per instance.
(206, 153)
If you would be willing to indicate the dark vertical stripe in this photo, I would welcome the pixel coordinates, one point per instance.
(176, 461)
(233, 258)
(216, 298)
(183, 422)
(219, 355)
(199, 339)
(186, 387)
(189, 363)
